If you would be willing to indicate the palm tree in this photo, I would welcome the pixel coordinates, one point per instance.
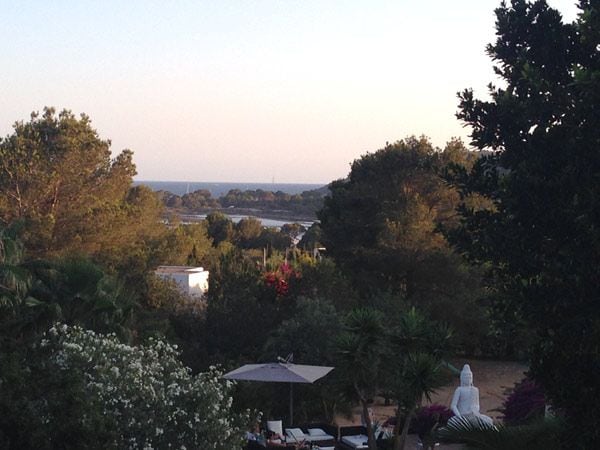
(76, 291)
(360, 357)
(417, 368)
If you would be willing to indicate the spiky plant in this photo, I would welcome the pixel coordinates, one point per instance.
(474, 433)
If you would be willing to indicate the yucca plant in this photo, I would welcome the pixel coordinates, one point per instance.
(416, 369)
(359, 358)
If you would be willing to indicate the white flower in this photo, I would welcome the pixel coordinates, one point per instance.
(145, 388)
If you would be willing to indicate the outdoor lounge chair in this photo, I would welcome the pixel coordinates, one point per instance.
(316, 435)
(275, 426)
(329, 429)
(352, 438)
(312, 435)
(295, 435)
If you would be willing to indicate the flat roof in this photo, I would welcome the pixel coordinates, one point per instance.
(178, 269)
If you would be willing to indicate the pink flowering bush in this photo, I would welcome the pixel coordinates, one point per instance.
(524, 403)
(281, 278)
(429, 418)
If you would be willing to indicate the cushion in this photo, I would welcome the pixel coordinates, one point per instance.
(275, 426)
(356, 441)
(321, 438)
(316, 432)
(295, 433)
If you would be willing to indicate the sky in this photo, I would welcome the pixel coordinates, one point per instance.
(248, 91)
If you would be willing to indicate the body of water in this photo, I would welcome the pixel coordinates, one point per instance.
(237, 217)
(220, 189)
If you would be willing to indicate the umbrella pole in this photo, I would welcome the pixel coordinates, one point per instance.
(291, 404)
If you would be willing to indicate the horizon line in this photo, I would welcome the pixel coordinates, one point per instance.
(230, 182)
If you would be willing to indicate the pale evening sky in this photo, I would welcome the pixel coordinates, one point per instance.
(248, 90)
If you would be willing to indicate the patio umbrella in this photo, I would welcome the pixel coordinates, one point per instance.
(280, 372)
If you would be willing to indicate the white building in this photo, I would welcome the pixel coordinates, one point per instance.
(191, 280)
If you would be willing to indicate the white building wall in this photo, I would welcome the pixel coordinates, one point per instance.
(198, 283)
(191, 280)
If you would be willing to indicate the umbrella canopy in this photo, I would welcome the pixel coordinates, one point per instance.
(281, 372)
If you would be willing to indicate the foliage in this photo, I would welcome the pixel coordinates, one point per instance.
(525, 403)
(312, 238)
(42, 407)
(247, 231)
(75, 291)
(280, 279)
(416, 369)
(164, 293)
(509, 336)
(304, 204)
(272, 239)
(309, 334)
(293, 230)
(241, 310)
(15, 280)
(543, 129)
(429, 418)
(476, 434)
(404, 354)
(58, 178)
(322, 278)
(128, 397)
(220, 228)
(183, 244)
(382, 227)
(196, 200)
(360, 351)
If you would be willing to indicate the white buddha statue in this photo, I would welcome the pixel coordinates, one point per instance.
(465, 401)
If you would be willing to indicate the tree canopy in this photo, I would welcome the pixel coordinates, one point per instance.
(382, 219)
(382, 225)
(542, 129)
(58, 177)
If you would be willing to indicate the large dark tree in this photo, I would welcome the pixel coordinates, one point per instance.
(543, 235)
(381, 225)
(380, 222)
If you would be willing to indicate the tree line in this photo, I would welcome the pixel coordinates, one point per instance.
(305, 204)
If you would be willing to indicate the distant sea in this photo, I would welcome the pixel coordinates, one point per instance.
(219, 189)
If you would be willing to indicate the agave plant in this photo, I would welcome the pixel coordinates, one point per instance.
(474, 433)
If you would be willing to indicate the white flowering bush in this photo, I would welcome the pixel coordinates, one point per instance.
(146, 397)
